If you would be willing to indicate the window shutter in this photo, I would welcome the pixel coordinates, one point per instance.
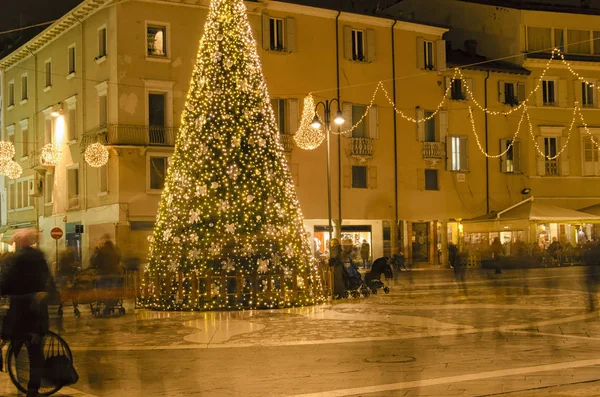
(440, 55)
(443, 124)
(347, 111)
(420, 125)
(464, 153)
(290, 26)
(373, 122)
(266, 31)
(347, 176)
(293, 111)
(595, 93)
(371, 45)
(501, 92)
(541, 160)
(565, 168)
(420, 53)
(517, 157)
(420, 178)
(348, 42)
(577, 89)
(503, 165)
(521, 93)
(449, 154)
(468, 84)
(539, 98)
(448, 84)
(372, 177)
(562, 93)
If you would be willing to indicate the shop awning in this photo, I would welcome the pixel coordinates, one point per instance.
(592, 209)
(535, 211)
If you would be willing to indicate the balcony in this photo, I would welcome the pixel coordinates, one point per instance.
(433, 151)
(287, 142)
(361, 149)
(130, 135)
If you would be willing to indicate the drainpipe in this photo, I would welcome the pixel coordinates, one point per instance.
(487, 160)
(83, 107)
(35, 124)
(395, 227)
(339, 139)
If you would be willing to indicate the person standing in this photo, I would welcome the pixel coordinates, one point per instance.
(106, 260)
(365, 253)
(335, 263)
(25, 279)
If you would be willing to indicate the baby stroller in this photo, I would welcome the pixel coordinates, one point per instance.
(76, 289)
(373, 278)
(354, 282)
(109, 296)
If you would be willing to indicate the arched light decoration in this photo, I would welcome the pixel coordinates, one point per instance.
(12, 169)
(96, 155)
(50, 155)
(308, 137)
(7, 151)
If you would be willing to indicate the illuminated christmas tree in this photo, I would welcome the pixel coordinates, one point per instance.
(229, 230)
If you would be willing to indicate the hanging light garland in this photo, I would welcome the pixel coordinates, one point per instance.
(12, 169)
(7, 151)
(96, 155)
(307, 137)
(50, 155)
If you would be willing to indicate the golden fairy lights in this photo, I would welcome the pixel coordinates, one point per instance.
(50, 154)
(308, 137)
(229, 231)
(96, 155)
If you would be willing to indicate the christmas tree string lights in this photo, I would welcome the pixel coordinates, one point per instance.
(229, 232)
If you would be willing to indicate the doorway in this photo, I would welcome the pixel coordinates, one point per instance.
(420, 242)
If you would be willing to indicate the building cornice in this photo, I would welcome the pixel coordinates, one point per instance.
(58, 28)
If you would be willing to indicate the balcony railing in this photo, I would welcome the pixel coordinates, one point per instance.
(287, 142)
(130, 135)
(433, 150)
(361, 147)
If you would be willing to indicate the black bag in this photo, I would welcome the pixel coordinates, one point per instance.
(58, 367)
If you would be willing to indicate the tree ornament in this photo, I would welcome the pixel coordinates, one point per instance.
(263, 265)
(7, 151)
(228, 265)
(96, 155)
(230, 228)
(307, 137)
(50, 154)
(12, 169)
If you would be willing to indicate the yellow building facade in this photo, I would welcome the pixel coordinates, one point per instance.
(118, 74)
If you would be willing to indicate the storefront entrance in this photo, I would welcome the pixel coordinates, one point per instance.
(420, 242)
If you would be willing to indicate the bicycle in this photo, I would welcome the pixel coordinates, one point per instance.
(17, 365)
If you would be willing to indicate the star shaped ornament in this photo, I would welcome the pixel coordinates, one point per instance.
(263, 265)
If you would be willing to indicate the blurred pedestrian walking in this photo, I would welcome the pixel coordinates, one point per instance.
(365, 253)
(25, 279)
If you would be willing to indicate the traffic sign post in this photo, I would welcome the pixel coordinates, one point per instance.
(56, 233)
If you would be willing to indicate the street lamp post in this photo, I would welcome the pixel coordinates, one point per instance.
(316, 123)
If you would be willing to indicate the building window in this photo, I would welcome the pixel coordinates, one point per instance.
(103, 179)
(358, 112)
(48, 69)
(48, 127)
(72, 130)
(72, 60)
(24, 87)
(587, 95)
(579, 41)
(101, 43)
(158, 172)
(591, 164)
(22, 193)
(157, 116)
(10, 132)
(11, 196)
(49, 188)
(11, 93)
(279, 111)
(549, 92)
(550, 151)
(539, 39)
(102, 110)
(359, 177)
(73, 187)
(428, 54)
(25, 142)
(431, 180)
(430, 128)
(559, 38)
(157, 40)
(456, 91)
(511, 160)
(596, 40)
(276, 34)
(458, 153)
(358, 45)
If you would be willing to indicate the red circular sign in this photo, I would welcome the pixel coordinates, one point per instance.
(56, 233)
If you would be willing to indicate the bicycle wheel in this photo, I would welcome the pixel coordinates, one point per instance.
(18, 366)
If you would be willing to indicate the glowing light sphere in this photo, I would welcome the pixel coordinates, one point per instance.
(12, 169)
(308, 137)
(7, 151)
(96, 155)
(50, 155)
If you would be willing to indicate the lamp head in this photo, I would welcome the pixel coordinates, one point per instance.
(316, 123)
(526, 191)
(339, 118)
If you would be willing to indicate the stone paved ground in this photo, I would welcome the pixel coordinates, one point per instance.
(510, 335)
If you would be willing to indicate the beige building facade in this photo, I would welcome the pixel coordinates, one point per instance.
(118, 73)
